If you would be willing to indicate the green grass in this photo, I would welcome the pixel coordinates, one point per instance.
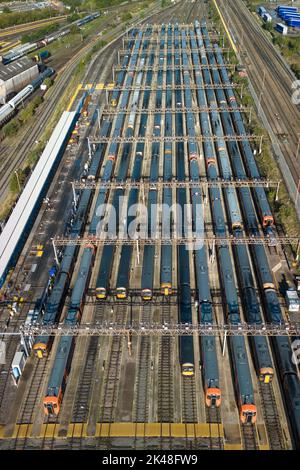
(8, 20)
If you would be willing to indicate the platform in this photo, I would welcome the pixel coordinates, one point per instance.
(171, 430)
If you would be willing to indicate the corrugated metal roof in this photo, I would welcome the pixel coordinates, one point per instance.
(15, 68)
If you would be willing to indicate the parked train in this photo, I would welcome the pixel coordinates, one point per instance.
(62, 364)
(209, 361)
(289, 379)
(149, 250)
(60, 370)
(55, 301)
(20, 51)
(166, 250)
(241, 369)
(123, 276)
(251, 302)
(186, 346)
(8, 109)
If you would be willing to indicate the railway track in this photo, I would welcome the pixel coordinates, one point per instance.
(278, 90)
(84, 390)
(271, 417)
(249, 438)
(213, 416)
(31, 399)
(33, 391)
(113, 371)
(141, 411)
(11, 346)
(32, 134)
(165, 406)
(188, 405)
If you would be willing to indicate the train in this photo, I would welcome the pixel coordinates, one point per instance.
(186, 346)
(281, 345)
(126, 251)
(9, 109)
(166, 250)
(262, 358)
(238, 353)
(62, 364)
(24, 49)
(245, 210)
(209, 361)
(55, 301)
(149, 250)
(61, 367)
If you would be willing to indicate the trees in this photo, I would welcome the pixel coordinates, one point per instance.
(16, 18)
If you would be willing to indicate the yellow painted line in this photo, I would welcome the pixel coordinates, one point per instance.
(24, 430)
(157, 430)
(15, 431)
(49, 430)
(74, 97)
(233, 447)
(264, 447)
(70, 430)
(2, 428)
(225, 27)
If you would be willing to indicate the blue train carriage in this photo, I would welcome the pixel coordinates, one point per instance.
(54, 306)
(61, 367)
(123, 273)
(243, 382)
(102, 284)
(210, 372)
(186, 345)
(187, 360)
(149, 253)
(166, 250)
(58, 378)
(210, 369)
(148, 273)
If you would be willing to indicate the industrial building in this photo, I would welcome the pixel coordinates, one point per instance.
(15, 76)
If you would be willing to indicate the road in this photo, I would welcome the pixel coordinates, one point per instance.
(272, 81)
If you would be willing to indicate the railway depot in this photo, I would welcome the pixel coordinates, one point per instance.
(168, 122)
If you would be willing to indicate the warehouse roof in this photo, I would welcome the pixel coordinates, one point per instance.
(15, 68)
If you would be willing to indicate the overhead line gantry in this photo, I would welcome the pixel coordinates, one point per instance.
(211, 240)
(145, 183)
(107, 328)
